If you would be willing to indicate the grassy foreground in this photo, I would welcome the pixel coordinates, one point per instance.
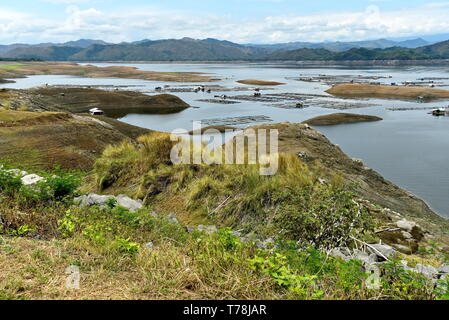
(144, 255)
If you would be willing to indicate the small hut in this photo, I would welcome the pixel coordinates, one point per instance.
(96, 112)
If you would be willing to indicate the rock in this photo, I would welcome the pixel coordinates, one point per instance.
(304, 155)
(93, 200)
(407, 235)
(444, 269)
(403, 240)
(172, 218)
(429, 271)
(406, 225)
(149, 245)
(31, 179)
(367, 259)
(189, 229)
(128, 203)
(405, 249)
(99, 200)
(18, 172)
(405, 266)
(382, 251)
(237, 234)
(250, 238)
(342, 253)
(207, 229)
(267, 244)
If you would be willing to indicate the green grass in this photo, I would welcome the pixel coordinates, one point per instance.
(21, 114)
(108, 244)
(11, 66)
(293, 202)
(109, 247)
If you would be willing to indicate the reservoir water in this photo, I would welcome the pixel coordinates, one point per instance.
(409, 147)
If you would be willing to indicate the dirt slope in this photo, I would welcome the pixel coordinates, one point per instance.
(314, 146)
(44, 140)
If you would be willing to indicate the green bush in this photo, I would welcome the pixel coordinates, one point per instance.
(62, 184)
(9, 181)
(320, 216)
(55, 187)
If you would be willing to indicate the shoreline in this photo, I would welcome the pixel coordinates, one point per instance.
(433, 62)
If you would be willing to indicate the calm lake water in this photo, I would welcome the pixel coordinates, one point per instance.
(409, 148)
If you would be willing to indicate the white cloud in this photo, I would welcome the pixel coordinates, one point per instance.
(138, 23)
(65, 1)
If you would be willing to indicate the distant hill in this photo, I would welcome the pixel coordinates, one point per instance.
(188, 49)
(436, 51)
(53, 53)
(343, 46)
(160, 50)
(82, 43)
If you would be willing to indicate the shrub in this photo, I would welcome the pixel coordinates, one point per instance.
(320, 216)
(7, 105)
(9, 181)
(126, 245)
(62, 184)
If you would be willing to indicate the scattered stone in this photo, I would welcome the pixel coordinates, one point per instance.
(404, 236)
(93, 200)
(31, 180)
(343, 253)
(128, 203)
(172, 218)
(406, 225)
(429, 271)
(207, 229)
(305, 156)
(123, 201)
(149, 245)
(237, 234)
(367, 259)
(407, 235)
(189, 229)
(16, 172)
(267, 244)
(382, 251)
(444, 269)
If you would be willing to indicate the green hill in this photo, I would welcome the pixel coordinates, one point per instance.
(188, 49)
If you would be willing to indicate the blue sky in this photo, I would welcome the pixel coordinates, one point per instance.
(256, 21)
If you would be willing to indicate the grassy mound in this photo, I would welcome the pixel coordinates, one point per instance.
(78, 100)
(340, 118)
(296, 201)
(141, 255)
(387, 92)
(43, 140)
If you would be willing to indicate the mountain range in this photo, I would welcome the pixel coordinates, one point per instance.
(343, 46)
(188, 49)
